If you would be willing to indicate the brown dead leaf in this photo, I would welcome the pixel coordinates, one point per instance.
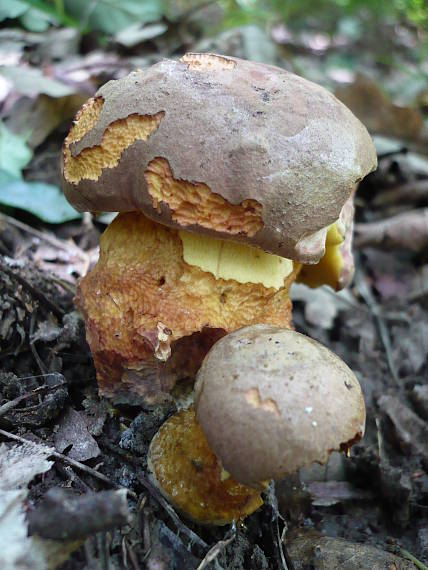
(327, 493)
(415, 191)
(404, 231)
(409, 432)
(380, 115)
(419, 397)
(310, 549)
(73, 435)
(41, 116)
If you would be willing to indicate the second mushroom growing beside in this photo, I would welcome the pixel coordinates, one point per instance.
(232, 179)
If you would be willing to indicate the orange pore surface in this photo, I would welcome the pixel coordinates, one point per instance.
(118, 136)
(193, 203)
(141, 280)
(189, 474)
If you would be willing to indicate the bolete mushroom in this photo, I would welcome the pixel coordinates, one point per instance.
(269, 401)
(228, 175)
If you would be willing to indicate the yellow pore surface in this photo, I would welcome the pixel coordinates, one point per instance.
(193, 203)
(190, 475)
(119, 135)
(329, 269)
(230, 260)
(142, 279)
(207, 61)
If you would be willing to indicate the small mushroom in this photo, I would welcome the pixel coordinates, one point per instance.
(271, 401)
(228, 175)
(191, 477)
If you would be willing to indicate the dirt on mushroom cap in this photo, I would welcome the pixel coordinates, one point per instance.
(271, 401)
(268, 144)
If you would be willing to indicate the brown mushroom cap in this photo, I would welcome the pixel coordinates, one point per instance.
(222, 146)
(271, 401)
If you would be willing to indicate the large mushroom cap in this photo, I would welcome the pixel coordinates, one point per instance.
(222, 146)
(271, 401)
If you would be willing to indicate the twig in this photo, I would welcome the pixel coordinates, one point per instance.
(370, 301)
(154, 492)
(168, 508)
(286, 562)
(414, 191)
(33, 349)
(396, 549)
(215, 551)
(64, 515)
(127, 549)
(53, 307)
(389, 154)
(379, 438)
(5, 408)
(73, 462)
(52, 240)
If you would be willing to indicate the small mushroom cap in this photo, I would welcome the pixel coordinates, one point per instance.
(222, 146)
(271, 401)
(187, 472)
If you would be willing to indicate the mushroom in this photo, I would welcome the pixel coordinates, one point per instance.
(228, 175)
(268, 401)
(271, 401)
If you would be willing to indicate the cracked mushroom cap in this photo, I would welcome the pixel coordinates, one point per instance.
(271, 401)
(220, 146)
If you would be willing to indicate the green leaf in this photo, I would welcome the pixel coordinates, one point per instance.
(112, 16)
(133, 35)
(45, 201)
(31, 81)
(12, 9)
(35, 20)
(14, 152)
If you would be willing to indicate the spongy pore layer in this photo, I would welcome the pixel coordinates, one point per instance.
(190, 475)
(141, 280)
(193, 203)
(119, 135)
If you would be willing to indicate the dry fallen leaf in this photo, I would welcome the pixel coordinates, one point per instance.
(322, 305)
(19, 464)
(309, 549)
(73, 435)
(405, 231)
(409, 431)
(374, 108)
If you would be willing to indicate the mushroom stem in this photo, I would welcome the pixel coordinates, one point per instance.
(151, 317)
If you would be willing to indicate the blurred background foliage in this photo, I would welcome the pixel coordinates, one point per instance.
(112, 16)
(54, 54)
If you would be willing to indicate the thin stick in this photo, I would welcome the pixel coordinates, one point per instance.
(396, 549)
(154, 492)
(5, 408)
(215, 551)
(272, 501)
(52, 240)
(168, 508)
(73, 462)
(370, 301)
(53, 307)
